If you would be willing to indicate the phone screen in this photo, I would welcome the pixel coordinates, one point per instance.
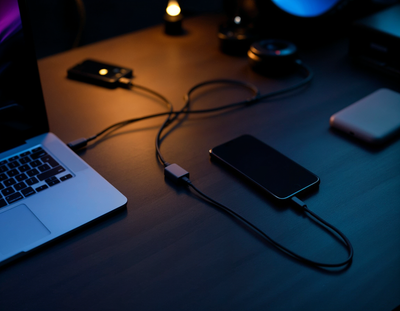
(265, 166)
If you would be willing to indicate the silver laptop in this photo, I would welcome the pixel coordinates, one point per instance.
(46, 190)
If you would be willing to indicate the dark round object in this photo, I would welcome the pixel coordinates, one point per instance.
(235, 40)
(173, 25)
(272, 56)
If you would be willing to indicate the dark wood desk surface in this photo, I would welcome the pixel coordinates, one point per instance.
(169, 250)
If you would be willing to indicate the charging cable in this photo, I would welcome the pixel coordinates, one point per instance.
(127, 83)
(173, 115)
(179, 175)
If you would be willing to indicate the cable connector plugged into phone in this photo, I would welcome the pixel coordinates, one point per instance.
(299, 203)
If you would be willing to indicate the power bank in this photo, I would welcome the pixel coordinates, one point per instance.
(98, 73)
(373, 119)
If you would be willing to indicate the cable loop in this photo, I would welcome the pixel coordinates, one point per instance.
(173, 115)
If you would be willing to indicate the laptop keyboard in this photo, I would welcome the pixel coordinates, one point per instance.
(28, 173)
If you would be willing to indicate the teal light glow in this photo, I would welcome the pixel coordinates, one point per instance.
(306, 8)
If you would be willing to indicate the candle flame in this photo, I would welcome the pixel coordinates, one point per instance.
(173, 8)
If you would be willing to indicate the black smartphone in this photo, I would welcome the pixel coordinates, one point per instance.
(269, 169)
(98, 73)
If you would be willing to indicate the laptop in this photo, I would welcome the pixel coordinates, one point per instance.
(46, 190)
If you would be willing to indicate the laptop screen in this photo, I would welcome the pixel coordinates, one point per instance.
(22, 110)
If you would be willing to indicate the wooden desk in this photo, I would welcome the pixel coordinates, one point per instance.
(172, 251)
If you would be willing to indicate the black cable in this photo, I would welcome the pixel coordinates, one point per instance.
(178, 174)
(345, 239)
(82, 142)
(255, 98)
(279, 246)
(165, 123)
(79, 143)
(187, 99)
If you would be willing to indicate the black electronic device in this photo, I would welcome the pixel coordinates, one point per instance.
(269, 169)
(375, 40)
(272, 56)
(99, 73)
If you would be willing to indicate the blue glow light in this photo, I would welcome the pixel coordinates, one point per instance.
(306, 8)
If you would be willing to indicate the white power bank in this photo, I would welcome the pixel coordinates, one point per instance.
(373, 119)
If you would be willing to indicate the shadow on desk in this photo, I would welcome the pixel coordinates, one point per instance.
(364, 145)
(96, 225)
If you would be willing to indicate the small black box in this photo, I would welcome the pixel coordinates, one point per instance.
(99, 73)
(375, 40)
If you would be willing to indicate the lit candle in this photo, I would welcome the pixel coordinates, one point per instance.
(173, 18)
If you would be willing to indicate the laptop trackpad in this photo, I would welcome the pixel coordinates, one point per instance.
(19, 227)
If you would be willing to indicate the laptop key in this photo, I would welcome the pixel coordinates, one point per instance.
(13, 158)
(31, 181)
(14, 197)
(7, 191)
(21, 177)
(24, 168)
(20, 186)
(2, 203)
(3, 177)
(24, 160)
(52, 181)
(28, 191)
(36, 163)
(65, 177)
(41, 188)
(37, 149)
(3, 169)
(9, 182)
(49, 159)
(25, 154)
(50, 173)
(13, 172)
(38, 154)
(3, 162)
(44, 167)
(33, 172)
(13, 165)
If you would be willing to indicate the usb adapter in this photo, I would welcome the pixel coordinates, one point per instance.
(94, 72)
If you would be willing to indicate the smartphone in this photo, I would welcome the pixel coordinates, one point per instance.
(373, 119)
(99, 73)
(265, 167)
